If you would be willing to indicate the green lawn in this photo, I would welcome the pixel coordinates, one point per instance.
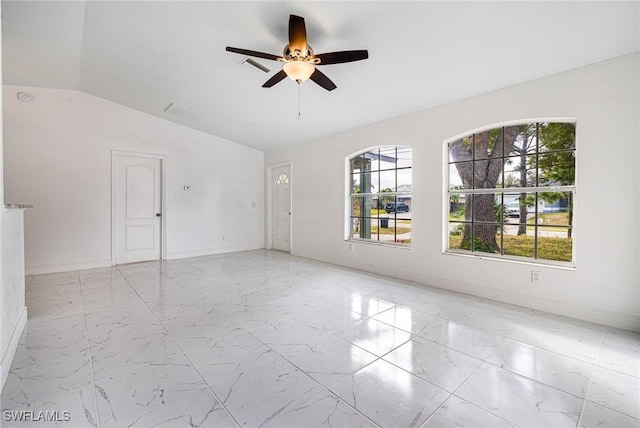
(549, 219)
(389, 230)
(559, 249)
(374, 212)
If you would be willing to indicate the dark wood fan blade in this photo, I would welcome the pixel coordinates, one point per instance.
(342, 56)
(297, 33)
(275, 79)
(321, 79)
(253, 53)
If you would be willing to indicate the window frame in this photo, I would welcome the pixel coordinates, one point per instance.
(349, 195)
(502, 191)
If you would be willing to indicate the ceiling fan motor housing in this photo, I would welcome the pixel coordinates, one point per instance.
(298, 55)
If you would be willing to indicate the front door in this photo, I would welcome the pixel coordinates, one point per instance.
(281, 208)
(137, 208)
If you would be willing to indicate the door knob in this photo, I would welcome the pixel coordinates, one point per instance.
(158, 215)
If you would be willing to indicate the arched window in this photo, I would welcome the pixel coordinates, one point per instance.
(380, 196)
(511, 192)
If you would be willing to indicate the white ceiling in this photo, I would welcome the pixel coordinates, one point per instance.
(146, 55)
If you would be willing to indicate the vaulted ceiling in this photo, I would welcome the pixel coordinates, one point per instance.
(146, 55)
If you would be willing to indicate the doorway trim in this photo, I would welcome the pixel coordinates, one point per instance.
(269, 204)
(163, 199)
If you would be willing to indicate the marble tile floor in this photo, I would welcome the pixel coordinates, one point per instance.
(262, 338)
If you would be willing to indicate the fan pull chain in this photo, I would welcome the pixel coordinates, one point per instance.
(298, 100)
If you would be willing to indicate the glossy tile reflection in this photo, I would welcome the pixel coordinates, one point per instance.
(261, 338)
(521, 400)
(435, 363)
(457, 412)
(546, 367)
(390, 396)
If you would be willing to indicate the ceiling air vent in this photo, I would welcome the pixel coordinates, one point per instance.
(256, 64)
(183, 112)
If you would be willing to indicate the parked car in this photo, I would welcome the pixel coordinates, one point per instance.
(513, 209)
(392, 207)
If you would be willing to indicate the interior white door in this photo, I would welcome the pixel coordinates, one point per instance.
(281, 208)
(138, 203)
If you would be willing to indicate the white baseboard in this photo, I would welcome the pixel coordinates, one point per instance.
(213, 251)
(567, 309)
(38, 270)
(572, 310)
(12, 347)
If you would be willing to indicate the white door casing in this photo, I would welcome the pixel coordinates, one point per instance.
(281, 208)
(137, 208)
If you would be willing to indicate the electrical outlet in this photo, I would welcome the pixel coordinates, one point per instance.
(535, 276)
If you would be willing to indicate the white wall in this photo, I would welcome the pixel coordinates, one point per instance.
(603, 287)
(13, 312)
(58, 158)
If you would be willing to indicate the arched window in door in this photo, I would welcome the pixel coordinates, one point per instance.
(282, 178)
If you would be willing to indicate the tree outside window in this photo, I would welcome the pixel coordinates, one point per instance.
(511, 192)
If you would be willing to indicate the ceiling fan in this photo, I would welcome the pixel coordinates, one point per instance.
(299, 59)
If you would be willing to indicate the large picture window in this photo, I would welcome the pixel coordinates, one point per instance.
(511, 192)
(380, 196)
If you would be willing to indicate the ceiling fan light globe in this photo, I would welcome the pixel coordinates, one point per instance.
(298, 71)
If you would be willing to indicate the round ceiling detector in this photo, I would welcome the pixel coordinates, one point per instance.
(25, 97)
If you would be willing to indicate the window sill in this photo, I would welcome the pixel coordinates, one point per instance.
(379, 243)
(513, 259)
